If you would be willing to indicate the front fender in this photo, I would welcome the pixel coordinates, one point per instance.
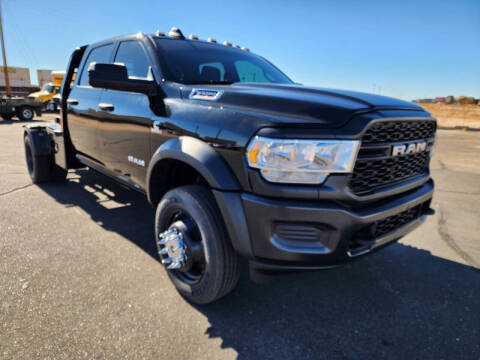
(216, 172)
(200, 156)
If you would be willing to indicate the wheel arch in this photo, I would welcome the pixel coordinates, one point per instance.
(193, 154)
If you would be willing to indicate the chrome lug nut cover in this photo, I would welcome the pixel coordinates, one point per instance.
(172, 249)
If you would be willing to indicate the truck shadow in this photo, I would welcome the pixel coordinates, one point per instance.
(113, 206)
(401, 302)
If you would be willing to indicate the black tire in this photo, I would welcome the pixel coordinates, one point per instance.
(26, 113)
(221, 264)
(51, 106)
(39, 167)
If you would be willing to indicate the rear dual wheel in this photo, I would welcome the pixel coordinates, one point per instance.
(42, 168)
(193, 245)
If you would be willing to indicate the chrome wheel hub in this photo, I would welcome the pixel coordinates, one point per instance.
(181, 248)
(27, 113)
(173, 249)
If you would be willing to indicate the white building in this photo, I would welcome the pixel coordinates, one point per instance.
(19, 77)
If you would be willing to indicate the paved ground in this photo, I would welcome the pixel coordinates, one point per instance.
(79, 279)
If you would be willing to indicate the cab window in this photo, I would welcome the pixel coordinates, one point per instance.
(101, 54)
(131, 54)
(47, 88)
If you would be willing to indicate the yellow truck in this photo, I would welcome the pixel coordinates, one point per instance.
(49, 90)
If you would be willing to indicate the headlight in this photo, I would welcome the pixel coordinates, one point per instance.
(301, 161)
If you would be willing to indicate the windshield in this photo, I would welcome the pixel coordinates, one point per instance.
(197, 62)
(48, 88)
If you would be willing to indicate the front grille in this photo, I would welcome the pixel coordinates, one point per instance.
(372, 174)
(391, 131)
(376, 168)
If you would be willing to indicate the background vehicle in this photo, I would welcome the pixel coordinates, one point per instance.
(48, 91)
(57, 101)
(237, 159)
(25, 109)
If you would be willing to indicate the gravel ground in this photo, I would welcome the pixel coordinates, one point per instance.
(79, 278)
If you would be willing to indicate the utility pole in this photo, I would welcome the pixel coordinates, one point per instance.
(5, 66)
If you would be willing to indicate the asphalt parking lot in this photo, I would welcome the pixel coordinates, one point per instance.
(79, 278)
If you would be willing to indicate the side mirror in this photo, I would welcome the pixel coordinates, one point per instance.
(115, 77)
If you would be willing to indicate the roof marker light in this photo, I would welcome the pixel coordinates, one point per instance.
(226, 43)
(193, 37)
(176, 33)
(245, 48)
(212, 40)
(159, 33)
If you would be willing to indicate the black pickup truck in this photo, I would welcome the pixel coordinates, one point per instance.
(238, 160)
(25, 109)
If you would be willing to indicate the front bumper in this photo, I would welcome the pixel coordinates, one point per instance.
(286, 234)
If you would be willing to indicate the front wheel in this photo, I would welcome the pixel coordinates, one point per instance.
(193, 245)
(26, 113)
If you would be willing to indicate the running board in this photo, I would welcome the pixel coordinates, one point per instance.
(122, 180)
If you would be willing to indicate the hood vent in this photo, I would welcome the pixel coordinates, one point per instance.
(205, 94)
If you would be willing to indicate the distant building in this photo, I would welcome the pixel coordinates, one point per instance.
(20, 83)
(440, 99)
(19, 77)
(465, 100)
(44, 77)
(450, 99)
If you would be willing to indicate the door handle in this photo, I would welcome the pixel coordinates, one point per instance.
(106, 107)
(72, 101)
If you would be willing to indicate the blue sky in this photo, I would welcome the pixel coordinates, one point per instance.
(406, 49)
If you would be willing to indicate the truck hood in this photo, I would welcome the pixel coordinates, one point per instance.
(38, 93)
(296, 103)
